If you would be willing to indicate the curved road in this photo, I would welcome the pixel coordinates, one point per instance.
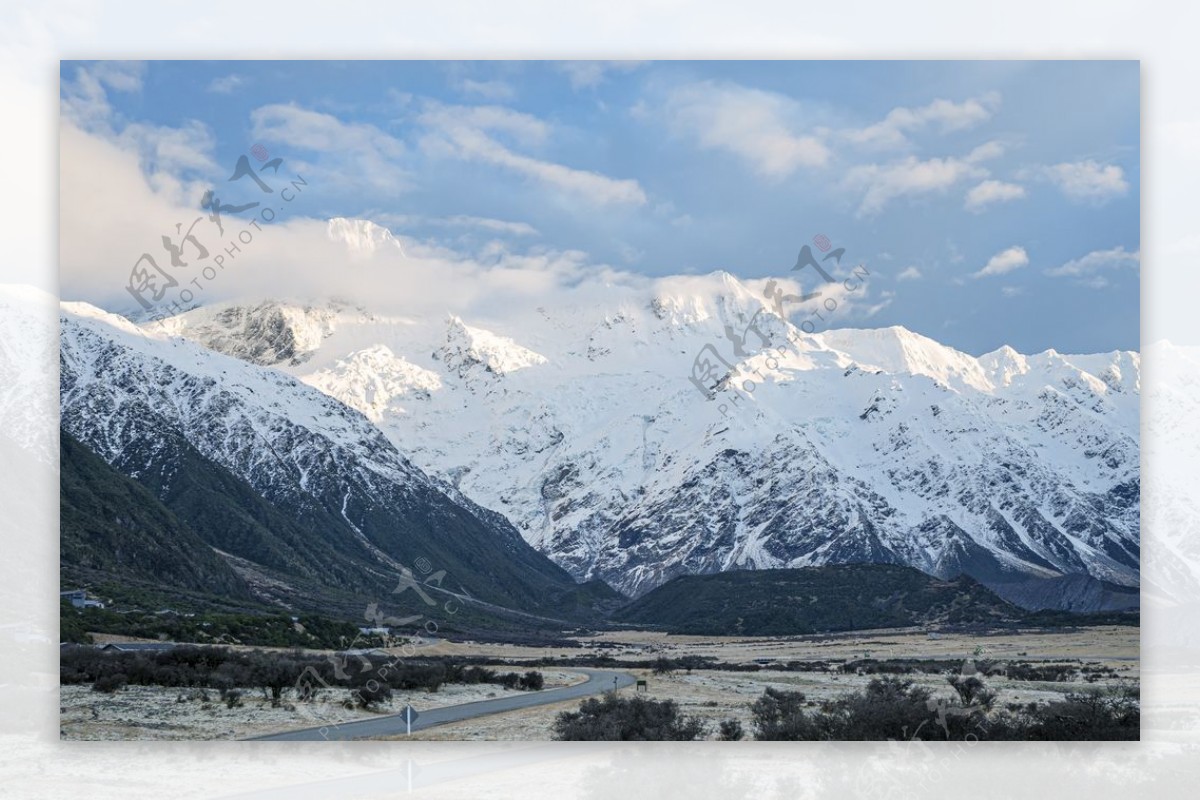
(598, 681)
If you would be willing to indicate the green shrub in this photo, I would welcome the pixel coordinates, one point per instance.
(731, 729)
(616, 718)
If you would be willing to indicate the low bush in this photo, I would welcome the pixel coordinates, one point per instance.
(616, 718)
(892, 708)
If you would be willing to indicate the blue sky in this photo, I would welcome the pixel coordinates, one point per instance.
(994, 202)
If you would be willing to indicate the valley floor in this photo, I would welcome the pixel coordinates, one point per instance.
(716, 695)
(1108, 656)
(184, 713)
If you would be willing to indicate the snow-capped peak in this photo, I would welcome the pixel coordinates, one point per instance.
(467, 346)
(264, 332)
(897, 350)
(361, 236)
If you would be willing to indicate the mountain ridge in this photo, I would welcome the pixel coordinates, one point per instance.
(606, 531)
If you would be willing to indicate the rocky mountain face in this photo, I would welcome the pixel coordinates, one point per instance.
(580, 423)
(303, 498)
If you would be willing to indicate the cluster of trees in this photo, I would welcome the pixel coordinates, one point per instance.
(888, 708)
(370, 679)
(269, 631)
(892, 708)
(1022, 670)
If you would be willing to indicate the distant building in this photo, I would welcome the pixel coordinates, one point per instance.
(80, 600)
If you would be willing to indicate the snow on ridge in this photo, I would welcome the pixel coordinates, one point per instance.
(361, 236)
(373, 380)
(466, 345)
(614, 465)
(896, 349)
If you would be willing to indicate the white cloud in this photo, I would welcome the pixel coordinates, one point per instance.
(166, 154)
(589, 74)
(880, 184)
(874, 309)
(499, 226)
(110, 215)
(348, 154)
(1087, 180)
(225, 84)
(174, 160)
(909, 274)
(402, 222)
(466, 133)
(986, 152)
(762, 128)
(945, 115)
(983, 195)
(1005, 262)
(490, 90)
(525, 128)
(1087, 268)
(85, 96)
(1011, 291)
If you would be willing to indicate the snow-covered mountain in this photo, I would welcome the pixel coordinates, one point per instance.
(303, 496)
(578, 421)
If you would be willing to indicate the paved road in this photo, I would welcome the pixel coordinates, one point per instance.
(598, 681)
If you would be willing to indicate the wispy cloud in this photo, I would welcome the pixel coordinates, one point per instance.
(225, 84)
(909, 274)
(489, 90)
(982, 195)
(172, 159)
(347, 153)
(764, 129)
(1005, 261)
(881, 184)
(85, 96)
(499, 226)
(399, 222)
(525, 128)
(1085, 181)
(943, 115)
(1089, 270)
(589, 74)
(467, 133)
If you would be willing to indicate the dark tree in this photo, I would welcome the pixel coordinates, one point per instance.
(780, 715)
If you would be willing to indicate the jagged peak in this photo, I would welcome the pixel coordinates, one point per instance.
(361, 236)
(467, 345)
(264, 332)
(896, 349)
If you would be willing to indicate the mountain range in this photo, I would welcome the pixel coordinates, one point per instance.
(573, 430)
